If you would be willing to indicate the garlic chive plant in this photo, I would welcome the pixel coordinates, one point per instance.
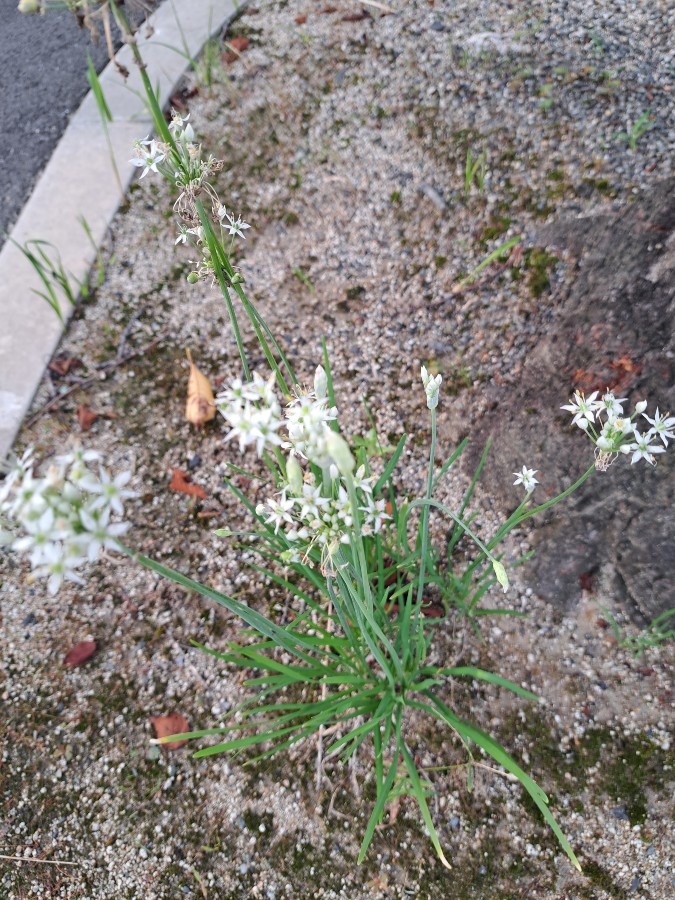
(334, 532)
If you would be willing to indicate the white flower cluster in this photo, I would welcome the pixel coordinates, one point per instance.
(612, 432)
(307, 418)
(253, 411)
(185, 155)
(62, 519)
(312, 509)
(182, 163)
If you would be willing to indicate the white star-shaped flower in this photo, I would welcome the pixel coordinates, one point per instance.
(526, 478)
(583, 408)
(661, 426)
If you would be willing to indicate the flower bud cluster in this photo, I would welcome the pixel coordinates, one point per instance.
(612, 431)
(253, 411)
(61, 519)
(320, 512)
(179, 160)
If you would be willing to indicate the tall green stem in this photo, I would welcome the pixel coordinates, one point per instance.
(425, 512)
(518, 517)
(155, 109)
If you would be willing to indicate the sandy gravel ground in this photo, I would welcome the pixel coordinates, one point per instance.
(345, 134)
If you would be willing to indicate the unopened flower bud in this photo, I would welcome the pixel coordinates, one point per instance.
(338, 450)
(432, 386)
(320, 383)
(29, 6)
(294, 475)
(641, 406)
(500, 573)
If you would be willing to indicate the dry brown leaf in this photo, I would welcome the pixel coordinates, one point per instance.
(300, 20)
(180, 481)
(86, 417)
(80, 653)
(63, 365)
(174, 723)
(200, 407)
(235, 48)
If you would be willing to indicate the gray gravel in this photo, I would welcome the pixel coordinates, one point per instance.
(345, 144)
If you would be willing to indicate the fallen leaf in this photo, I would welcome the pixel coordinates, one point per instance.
(235, 48)
(179, 100)
(180, 481)
(356, 16)
(586, 582)
(164, 726)
(394, 808)
(200, 407)
(178, 103)
(300, 20)
(80, 653)
(86, 417)
(433, 611)
(62, 365)
(239, 43)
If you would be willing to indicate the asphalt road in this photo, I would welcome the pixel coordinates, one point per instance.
(43, 79)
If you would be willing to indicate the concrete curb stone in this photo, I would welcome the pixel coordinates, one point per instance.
(78, 182)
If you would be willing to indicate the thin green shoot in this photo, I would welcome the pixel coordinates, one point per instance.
(499, 253)
(304, 278)
(475, 170)
(206, 65)
(640, 128)
(100, 262)
(659, 631)
(106, 118)
(45, 259)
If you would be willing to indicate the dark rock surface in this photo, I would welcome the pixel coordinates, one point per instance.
(614, 326)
